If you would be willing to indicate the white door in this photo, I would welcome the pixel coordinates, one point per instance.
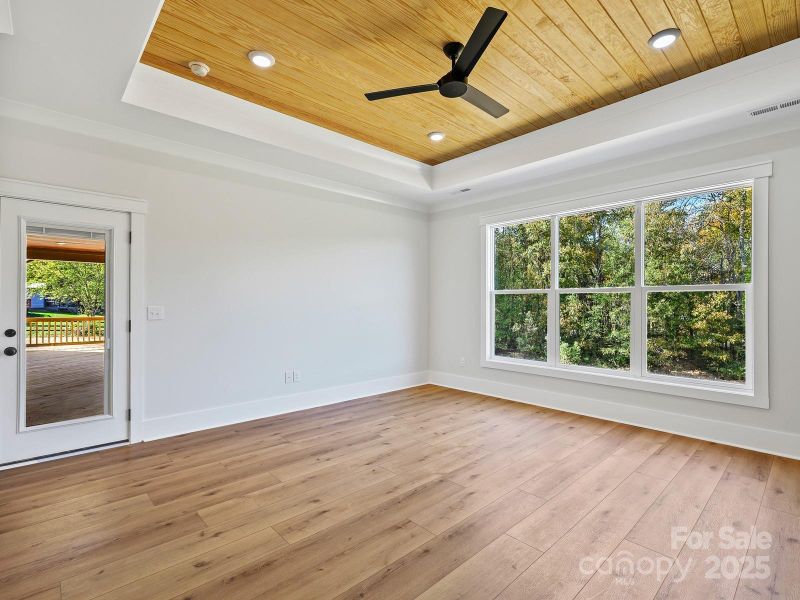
(64, 304)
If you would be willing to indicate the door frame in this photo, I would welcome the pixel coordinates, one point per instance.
(137, 209)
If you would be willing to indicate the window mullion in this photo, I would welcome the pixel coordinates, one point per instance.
(638, 331)
(553, 333)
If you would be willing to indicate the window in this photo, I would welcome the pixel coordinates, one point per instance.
(652, 294)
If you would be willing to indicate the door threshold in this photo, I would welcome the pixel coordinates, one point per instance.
(66, 454)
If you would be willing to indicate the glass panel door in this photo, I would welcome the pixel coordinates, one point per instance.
(66, 305)
(64, 310)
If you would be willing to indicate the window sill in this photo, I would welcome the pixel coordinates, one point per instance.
(714, 393)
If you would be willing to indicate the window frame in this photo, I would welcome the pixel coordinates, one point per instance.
(754, 392)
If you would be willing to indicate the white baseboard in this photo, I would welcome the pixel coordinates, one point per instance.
(187, 422)
(782, 443)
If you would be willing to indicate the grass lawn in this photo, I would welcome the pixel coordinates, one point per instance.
(45, 313)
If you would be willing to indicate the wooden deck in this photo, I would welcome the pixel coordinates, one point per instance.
(64, 383)
(422, 494)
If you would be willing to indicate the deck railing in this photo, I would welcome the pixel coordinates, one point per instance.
(64, 331)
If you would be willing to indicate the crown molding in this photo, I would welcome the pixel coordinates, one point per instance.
(168, 94)
(112, 133)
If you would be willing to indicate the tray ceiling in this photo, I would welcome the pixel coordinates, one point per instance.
(551, 60)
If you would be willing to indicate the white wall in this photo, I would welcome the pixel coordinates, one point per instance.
(455, 317)
(257, 277)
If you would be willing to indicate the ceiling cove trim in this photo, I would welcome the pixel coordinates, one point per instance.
(163, 92)
(614, 165)
(112, 133)
(714, 101)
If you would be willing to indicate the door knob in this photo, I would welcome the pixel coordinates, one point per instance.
(10, 351)
(10, 332)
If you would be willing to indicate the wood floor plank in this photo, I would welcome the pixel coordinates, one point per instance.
(492, 485)
(50, 483)
(545, 438)
(668, 460)
(31, 516)
(682, 502)
(51, 594)
(128, 569)
(414, 494)
(280, 502)
(332, 513)
(549, 522)
(13, 542)
(782, 556)
(568, 565)
(417, 571)
(486, 574)
(735, 505)
(296, 560)
(347, 568)
(184, 576)
(553, 480)
(783, 487)
(630, 573)
(55, 565)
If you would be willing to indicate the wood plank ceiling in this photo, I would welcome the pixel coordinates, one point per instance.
(551, 60)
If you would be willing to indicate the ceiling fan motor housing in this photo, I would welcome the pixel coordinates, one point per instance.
(452, 86)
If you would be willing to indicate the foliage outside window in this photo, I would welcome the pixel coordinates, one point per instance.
(653, 288)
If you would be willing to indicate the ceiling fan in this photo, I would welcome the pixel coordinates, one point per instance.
(463, 59)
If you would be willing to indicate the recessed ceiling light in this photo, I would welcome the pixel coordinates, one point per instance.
(261, 59)
(198, 68)
(61, 243)
(436, 136)
(664, 38)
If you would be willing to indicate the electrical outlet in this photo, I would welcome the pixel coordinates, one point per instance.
(296, 376)
(462, 362)
(288, 377)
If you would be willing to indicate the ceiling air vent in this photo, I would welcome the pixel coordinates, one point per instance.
(773, 107)
(762, 111)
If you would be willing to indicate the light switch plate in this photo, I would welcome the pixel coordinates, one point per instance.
(155, 313)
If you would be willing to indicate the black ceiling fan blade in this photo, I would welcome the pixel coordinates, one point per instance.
(477, 98)
(479, 40)
(403, 91)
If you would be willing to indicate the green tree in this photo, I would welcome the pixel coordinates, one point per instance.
(81, 282)
(705, 238)
(698, 239)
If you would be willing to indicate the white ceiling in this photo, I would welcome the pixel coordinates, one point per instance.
(71, 64)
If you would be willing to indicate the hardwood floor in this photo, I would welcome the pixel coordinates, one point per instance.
(427, 493)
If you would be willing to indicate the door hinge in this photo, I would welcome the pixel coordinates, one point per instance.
(129, 414)
(129, 325)
(130, 237)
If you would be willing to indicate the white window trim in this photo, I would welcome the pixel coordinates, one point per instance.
(754, 393)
